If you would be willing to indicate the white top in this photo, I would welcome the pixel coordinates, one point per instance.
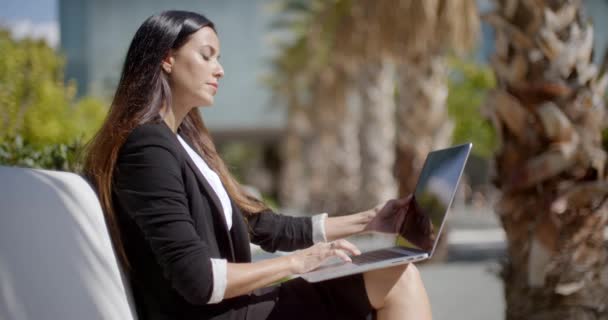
(214, 181)
(219, 266)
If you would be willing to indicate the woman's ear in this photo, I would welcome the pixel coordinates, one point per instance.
(167, 63)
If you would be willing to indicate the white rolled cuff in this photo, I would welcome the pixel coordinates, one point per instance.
(318, 228)
(220, 280)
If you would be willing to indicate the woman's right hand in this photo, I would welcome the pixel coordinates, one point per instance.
(388, 217)
(308, 259)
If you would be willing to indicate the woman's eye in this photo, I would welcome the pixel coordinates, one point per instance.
(206, 58)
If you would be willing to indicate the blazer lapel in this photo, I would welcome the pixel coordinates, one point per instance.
(219, 212)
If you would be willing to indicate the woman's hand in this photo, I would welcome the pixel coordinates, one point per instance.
(308, 259)
(389, 217)
(406, 218)
(418, 228)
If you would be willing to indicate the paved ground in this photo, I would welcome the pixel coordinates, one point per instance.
(467, 286)
(464, 290)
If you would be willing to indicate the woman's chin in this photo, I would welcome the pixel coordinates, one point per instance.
(206, 100)
(205, 103)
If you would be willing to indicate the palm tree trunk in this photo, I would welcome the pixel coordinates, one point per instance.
(327, 101)
(549, 112)
(422, 117)
(345, 176)
(377, 88)
(294, 190)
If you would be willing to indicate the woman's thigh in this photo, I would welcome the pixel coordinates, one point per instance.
(378, 283)
(398, 293)
(342, 298)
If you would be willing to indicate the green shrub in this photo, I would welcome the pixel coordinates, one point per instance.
(42, 123)
(468, 84)
(14, 151)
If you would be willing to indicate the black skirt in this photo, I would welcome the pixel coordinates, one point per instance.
(341, 298)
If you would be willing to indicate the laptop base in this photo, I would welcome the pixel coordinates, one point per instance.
(342, 269)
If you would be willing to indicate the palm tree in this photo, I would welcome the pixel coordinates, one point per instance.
(356, 136)
(378, 134)
(284, 83)
(422, 116)
(321, 144)
(418, 36)
(548, 111)
(414, 36)
(356, 46)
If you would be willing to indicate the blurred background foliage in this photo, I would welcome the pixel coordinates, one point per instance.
(468, 83)
(43, 124)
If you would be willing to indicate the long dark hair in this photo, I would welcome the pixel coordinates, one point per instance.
(142, 91)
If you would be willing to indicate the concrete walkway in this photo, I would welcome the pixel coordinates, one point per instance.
(464, 291)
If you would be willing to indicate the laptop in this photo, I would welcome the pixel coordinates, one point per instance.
(418, 234)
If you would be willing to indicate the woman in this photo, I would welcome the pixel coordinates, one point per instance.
(182, 224)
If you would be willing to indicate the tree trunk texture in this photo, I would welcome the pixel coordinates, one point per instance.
(345, 175)
(328, 101)
(294, 189)
(548, 112)
(422, 118)
(337, 179)
(378, 136)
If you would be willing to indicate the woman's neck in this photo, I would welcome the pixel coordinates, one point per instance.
(173, 116)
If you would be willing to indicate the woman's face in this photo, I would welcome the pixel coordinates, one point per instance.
(194, 69)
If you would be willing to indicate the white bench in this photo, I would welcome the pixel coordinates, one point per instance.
(56, 258)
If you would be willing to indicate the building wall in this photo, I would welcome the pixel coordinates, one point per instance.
(74, 40)
(95, 35)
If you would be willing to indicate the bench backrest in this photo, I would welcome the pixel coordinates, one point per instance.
(56, 257)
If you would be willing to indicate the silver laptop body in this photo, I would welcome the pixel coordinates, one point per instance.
(434, 193)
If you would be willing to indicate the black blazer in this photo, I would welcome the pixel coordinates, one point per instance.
(172, 223)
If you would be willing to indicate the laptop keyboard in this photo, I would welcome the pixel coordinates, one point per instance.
(375, 256)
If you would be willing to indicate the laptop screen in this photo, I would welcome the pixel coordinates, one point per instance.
(434, 193)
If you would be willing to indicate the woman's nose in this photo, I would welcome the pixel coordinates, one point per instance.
(219, 72)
